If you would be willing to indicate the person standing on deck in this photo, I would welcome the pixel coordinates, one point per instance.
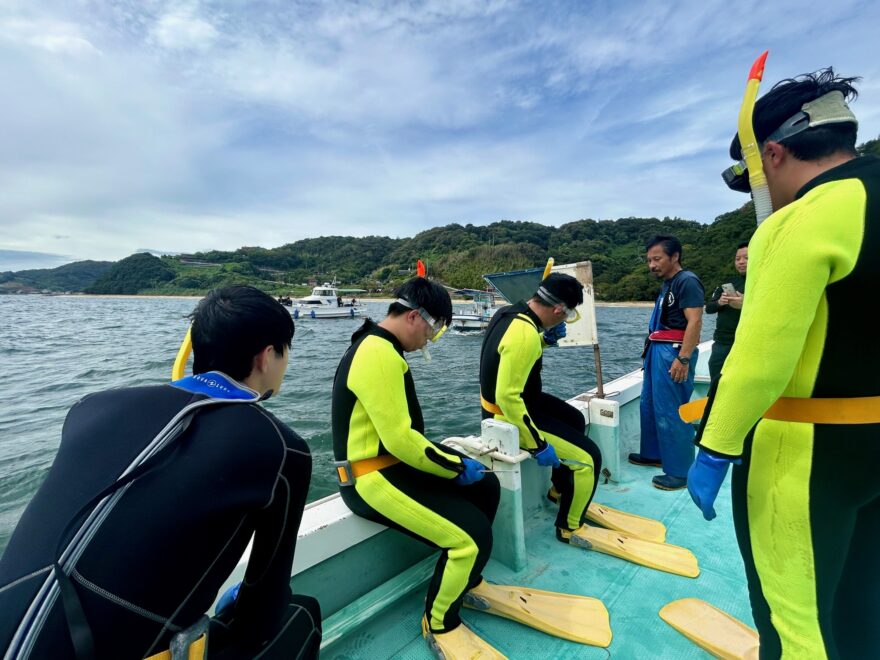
(510, 390)
(390, 473)
(797, 406)
(670, 359)
(727, 303)
(233, 472)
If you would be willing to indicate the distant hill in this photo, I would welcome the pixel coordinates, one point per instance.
(75, 277)
(132, 275)
(458, 255)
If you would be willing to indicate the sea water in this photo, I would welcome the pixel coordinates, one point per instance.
(56, 349)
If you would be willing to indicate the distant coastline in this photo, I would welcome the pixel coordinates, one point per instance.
(455, 301)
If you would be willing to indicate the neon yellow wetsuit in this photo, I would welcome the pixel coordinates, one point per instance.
(376, 414)
(807, 496)
(510, 385)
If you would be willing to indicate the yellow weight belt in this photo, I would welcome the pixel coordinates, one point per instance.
(365, 466)
(852, 410)
(488, 406)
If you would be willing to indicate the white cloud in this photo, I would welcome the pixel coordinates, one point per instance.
(182, 28)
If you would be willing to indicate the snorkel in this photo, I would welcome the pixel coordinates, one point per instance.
(422, 271)
(751, 150)
(177, 371)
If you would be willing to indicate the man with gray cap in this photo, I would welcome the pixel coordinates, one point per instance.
(510, 390)
(797, 406)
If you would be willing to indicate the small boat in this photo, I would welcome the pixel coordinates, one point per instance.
(325, 302)
(476, 317)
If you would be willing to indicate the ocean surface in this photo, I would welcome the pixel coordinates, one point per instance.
(56, 349)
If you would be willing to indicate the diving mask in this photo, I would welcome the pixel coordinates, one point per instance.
(571, 315)
(437, 327)
(830, 108)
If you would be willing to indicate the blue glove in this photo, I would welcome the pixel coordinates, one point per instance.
(227, 599)
(554, 334)
(704, 480)
(547, 456)
(473, 472)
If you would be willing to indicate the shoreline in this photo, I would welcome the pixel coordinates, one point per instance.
(143, 296)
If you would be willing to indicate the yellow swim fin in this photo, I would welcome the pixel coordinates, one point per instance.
(661, 556)
(462, 643)
(711, 629)
(628, 523)
(620, 521)
(576, 618)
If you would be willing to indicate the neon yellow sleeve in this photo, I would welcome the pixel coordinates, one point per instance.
(795, 254)
(376, 379)
(518, 350)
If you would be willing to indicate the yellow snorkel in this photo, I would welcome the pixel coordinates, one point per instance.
(547, 269)
(177, 371)
(751, 150)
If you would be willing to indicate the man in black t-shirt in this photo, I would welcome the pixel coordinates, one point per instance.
(113, 566)
(670, 359)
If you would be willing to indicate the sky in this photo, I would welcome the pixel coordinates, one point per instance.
(186, 126)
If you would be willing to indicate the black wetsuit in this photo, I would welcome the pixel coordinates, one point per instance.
(376, 413)
(510, 386)
(806, 498)
(157, 562)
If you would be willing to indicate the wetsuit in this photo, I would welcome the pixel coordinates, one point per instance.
(663, 434)
(510, 386)
(174, 536)
(725, 326)
(807, 496)
(376, 413)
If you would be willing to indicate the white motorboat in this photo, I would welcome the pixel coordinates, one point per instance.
(326, 302)
(476, 317)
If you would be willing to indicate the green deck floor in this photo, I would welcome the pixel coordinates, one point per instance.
(632, 594)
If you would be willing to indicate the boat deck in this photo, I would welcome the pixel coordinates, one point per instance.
(632, 594)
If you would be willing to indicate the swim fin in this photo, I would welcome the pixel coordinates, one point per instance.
(461, 643)
(620, 521)
(628, 523)
(712, 629)
(576, 618)
(661, 556)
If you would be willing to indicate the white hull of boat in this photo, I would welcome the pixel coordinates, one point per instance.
(469, 323)
(316, 312)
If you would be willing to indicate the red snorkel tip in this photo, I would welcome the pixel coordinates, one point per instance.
(421, 271)
(757, 71)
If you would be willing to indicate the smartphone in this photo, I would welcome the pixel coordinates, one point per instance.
(728, 289)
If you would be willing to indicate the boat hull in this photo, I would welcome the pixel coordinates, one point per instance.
(309, 312)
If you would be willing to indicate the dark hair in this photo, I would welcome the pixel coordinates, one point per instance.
(670, 245)
(786, 99)
(232, 325)
(742, 245)
(564, 287)
(426, 294)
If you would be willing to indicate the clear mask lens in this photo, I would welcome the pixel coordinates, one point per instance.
(571, 315)
(437, 327)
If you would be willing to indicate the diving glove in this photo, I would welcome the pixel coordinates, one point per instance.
(704, 480)
(473, 472)
(546, 456)
(554, 334)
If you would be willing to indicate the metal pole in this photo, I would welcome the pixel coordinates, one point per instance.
(600, 391)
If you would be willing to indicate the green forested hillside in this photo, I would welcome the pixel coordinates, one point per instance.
(69, 277)
(458, 255)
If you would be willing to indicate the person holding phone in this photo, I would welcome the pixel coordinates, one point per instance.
(727, 301)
